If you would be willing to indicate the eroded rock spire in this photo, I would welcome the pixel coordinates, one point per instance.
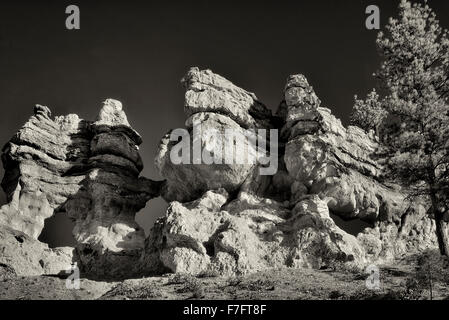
(88, 170)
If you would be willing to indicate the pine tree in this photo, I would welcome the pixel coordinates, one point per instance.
(414, 75)
(369, 113)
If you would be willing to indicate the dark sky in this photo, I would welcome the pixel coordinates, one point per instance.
(137, 52)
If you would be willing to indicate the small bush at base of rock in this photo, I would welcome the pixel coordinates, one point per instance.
(138, 291)
(193, 285)
(6, 272)
(209, 274)
(180, 278)
(258, 285)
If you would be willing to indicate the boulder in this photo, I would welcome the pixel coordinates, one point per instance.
(26, 256)
(215, 104)
(210, 92)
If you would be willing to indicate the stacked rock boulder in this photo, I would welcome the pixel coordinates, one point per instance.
(215, 103)
(90, 171)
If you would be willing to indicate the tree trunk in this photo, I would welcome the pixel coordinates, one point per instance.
(442, 237)
(443, 240)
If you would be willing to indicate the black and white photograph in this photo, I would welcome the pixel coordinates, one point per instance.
(242, 152)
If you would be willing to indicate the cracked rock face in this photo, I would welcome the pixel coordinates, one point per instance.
(90, 170)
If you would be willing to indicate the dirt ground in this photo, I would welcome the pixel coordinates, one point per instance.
(416, 277)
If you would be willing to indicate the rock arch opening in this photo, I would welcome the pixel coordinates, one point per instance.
(154, 209)
(353, 227)
(57, 231)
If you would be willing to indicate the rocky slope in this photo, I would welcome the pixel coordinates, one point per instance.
(223, 218)
(405, 279)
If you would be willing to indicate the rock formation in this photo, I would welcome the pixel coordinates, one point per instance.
(337, 164)
(88, 170)
(259, 222)
(224, 218)
(247, 235)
